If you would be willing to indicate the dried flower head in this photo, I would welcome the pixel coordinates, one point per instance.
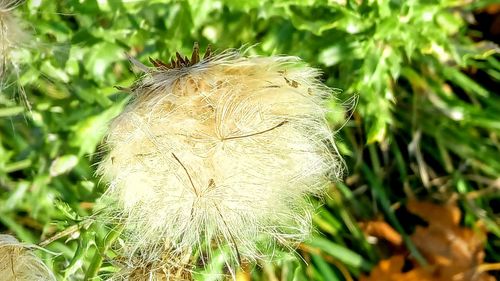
(169, 267)
(12, 34)
(219, 152)
(18, 263)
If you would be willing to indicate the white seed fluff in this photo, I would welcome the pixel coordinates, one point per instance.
(219, 153)
(18, 263)
(12, 34)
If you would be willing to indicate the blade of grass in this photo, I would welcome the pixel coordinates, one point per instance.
(382, 198)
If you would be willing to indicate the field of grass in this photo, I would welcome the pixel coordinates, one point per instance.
(416, 114)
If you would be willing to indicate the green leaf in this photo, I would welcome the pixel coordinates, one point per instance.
(340, 253)
(89, 132)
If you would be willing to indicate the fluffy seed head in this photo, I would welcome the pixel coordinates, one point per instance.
(12, 34)
(18, 263)
(156, 271)
(221, 152)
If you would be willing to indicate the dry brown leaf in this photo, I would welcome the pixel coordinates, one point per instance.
(391, 270)
(454, 253)
(448, 214)
(492, 9)
(381, 230)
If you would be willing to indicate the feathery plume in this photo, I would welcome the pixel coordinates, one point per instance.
(18, 263)
(218, 152)
(12, 34)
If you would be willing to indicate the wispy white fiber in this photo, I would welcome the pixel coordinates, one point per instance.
(12, 33)
(222, 153)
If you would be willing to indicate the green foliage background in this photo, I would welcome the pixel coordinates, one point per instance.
(422, 127)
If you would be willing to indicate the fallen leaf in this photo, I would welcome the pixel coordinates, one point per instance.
(448, 214)
(492, 9)
(454, 253)
(391, 270)
(381, 230)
